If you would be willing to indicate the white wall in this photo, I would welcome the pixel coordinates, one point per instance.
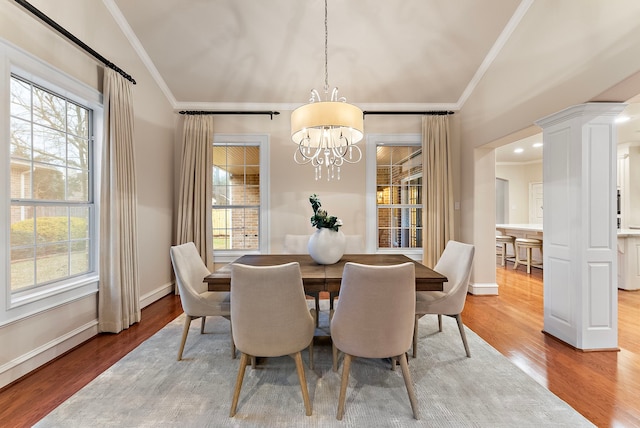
(561, 54)
(519, 177)
(29, 342)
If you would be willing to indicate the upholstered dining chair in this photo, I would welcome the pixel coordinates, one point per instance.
(298, 244)
(197, 301)
(270, 318)
(374, 319)
(454, 263)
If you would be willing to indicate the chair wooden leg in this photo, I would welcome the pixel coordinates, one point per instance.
(504, 253)
(516, 260)
(346, 366)
(244, 360)
(334, 350)
(415, 337)
(409, 384)
(463, 335)
(233, 344)
(317, 297)
(529, 260)
(303, 382)
(439, 322)
(185, 332)
(314, 314)
(204, 319)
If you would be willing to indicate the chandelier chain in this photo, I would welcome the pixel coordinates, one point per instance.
(326, 51)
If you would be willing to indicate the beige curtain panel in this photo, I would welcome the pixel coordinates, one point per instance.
(119, 290)
(194, 198)
(437, 215)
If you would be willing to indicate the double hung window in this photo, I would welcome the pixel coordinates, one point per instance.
(52, 212)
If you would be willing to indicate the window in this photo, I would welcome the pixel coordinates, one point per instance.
(238, 211)
(398, 192)
(51, 187)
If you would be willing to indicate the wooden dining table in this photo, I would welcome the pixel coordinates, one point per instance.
(317, 277)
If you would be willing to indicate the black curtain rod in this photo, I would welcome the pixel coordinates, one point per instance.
(204, 112)
(424, 113)
(74, 39)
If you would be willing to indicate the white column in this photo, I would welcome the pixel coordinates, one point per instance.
(580, 239)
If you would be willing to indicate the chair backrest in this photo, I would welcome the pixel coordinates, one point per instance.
(269, 311)
(190, 271)
(455, 263)
(296, 244)
(376, 311)
(354, 244)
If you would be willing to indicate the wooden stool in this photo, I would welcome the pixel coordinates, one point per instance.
(503, 240)
(528, 244)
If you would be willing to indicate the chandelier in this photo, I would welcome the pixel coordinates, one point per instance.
(326, 131)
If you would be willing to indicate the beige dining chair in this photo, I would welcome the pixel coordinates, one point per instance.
(454, 263)
(374, 319)
(354, 244)
(270, 318)
(197, 301)
(298, 244)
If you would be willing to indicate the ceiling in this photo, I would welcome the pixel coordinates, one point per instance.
(243, 53)
(382, 55)
(628, 132)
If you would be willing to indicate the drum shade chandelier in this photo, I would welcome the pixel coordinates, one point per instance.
(326, 132)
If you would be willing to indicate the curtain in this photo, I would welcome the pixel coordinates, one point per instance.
(194, 198)
(437, 213)
(119, 289)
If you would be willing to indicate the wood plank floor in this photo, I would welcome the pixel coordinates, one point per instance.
(603, 386)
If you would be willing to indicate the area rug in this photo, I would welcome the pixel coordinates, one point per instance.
(149, 388)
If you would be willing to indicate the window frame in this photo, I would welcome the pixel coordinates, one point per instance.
(261, 141)
(24, 303)
(373, 141)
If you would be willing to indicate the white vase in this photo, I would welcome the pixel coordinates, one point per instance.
(326, 246)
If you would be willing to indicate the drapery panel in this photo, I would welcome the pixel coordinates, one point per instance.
(437, 215)
(194, 198)
(119, 289)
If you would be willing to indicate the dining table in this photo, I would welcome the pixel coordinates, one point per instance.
(318, 278)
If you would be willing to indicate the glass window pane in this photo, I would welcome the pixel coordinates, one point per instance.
(79, 221)
(23, 264)
(52, 262)
(78, 152)
(49, 146)
(20, 99)
(77, 185)
(52, 224)
(77, 121)
(48, 182)
(20, 179)
(20, 146)
(236, 185)
(49, 110)
(80, 257)
(22, 226)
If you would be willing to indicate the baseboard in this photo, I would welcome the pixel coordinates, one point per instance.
(18, 367)
(156, 294)
(486, 289)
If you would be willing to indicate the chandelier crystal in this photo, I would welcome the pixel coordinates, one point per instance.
(326, 132)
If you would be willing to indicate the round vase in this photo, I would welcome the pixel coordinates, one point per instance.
(326, 246)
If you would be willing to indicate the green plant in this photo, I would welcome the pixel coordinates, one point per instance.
(320, 218)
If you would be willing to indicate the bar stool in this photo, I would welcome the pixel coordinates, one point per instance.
(528, 244)
(503, 240)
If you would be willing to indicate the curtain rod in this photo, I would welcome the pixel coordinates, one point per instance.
(424, 113)
(74, 39)
(204, 112)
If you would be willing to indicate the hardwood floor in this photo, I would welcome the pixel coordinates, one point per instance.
(603, 386)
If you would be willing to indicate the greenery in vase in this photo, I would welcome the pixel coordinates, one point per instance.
(320, 217)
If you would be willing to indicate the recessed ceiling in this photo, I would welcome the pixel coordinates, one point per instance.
(247, 52)
(628, 132)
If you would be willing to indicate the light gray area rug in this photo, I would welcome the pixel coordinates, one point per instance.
(149, 388)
